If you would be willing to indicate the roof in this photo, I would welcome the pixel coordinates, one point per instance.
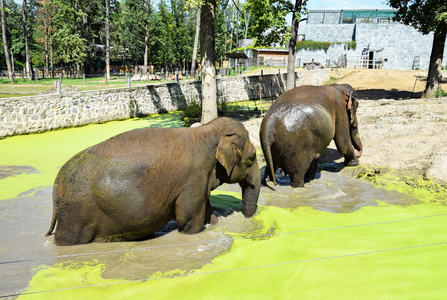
(236, 55)
(359, 13)
(271, 50)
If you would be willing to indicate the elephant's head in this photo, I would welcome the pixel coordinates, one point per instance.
(352, 104)
(237, 155)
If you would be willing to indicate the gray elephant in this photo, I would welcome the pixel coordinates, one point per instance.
(133, 184)
(299, 126)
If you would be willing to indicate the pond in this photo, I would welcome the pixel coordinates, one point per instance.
(338, 237)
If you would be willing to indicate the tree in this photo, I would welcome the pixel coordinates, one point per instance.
(296, 17)
(426, 16)
(269, 24)
(5, 44)
(207, 50)
(196, 43)
(107, 32)
(44, 18)
(146, 35)
(70, 46)
(29, 63)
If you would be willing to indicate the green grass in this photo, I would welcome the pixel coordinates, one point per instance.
(25, 87)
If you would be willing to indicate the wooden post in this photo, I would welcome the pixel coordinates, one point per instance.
(260, 97)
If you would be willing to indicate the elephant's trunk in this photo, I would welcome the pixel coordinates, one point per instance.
(356, 142)
(250, 191)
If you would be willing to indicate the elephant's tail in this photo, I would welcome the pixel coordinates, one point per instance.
(266, 144)
(53, 223)
(54, 217)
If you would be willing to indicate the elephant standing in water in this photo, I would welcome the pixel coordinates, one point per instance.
(133, 184)
(301, 123)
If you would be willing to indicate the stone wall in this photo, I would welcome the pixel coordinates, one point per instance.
(400, 43)
(47, 112)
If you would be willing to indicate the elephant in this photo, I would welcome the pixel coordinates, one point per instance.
(133, 184)
(301, 123)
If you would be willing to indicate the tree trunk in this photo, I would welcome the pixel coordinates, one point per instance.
(51, 49)
(434, 70)
(292, 45)
(5, 44)
(196, 43)
(146, 37)
(107, 42)
(29, 63)
(46, 49)
(207, 49)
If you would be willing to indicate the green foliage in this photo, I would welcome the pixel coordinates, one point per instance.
(312, 45)
(347, 45)
(268, 20)
(192, 111)
(315, 46)
(440, 93)
(425, 16)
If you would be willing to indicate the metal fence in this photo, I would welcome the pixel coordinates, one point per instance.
(361, 62)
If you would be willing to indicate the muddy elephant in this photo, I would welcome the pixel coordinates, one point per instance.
(301, 123)
(133, 184)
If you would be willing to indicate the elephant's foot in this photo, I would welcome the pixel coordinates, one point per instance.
(352, 162)
(213, 219)
(295, 183)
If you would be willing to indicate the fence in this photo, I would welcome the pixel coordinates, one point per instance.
(362, 62)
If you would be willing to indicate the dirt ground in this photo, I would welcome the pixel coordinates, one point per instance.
(398, 129)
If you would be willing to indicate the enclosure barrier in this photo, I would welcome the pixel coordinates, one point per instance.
(24, 115)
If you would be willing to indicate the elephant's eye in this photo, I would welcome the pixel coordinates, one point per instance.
(251, 159)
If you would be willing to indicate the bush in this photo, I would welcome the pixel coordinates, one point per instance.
(192, 113)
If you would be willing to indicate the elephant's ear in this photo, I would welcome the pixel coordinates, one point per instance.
(349, 105)
(228, 152)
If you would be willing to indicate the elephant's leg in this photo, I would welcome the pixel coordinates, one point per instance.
(268, 174)
(297, 168)
(345, 147)
(73, 233)
(312, 171)
(210, 217)
(190, 210)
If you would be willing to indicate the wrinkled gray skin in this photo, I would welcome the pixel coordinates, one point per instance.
(301, 123)
(133, 184)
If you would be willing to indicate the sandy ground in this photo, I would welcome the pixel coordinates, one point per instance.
(398, 129)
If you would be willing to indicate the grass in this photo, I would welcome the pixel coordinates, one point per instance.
(242, 110)
(24, 87)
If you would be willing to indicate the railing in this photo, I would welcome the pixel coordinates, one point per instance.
(363, 62)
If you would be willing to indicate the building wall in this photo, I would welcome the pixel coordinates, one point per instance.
(47, 112)
(400, 43)
(330, 32)
(333, 54)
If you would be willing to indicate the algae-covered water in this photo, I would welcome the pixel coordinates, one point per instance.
(340, 237)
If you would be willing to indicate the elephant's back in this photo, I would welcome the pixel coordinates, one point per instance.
(302, 122)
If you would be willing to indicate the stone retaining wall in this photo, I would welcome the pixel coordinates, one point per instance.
(47, 112)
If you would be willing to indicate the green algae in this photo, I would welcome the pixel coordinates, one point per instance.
(48, 151)
(386, 251)
(390, 251)
(415, 186)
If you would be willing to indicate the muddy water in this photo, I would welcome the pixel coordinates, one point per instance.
(25, 219)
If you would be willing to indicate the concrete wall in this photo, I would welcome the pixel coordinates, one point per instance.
(333, 53)
(46, 112)
(400, 43)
